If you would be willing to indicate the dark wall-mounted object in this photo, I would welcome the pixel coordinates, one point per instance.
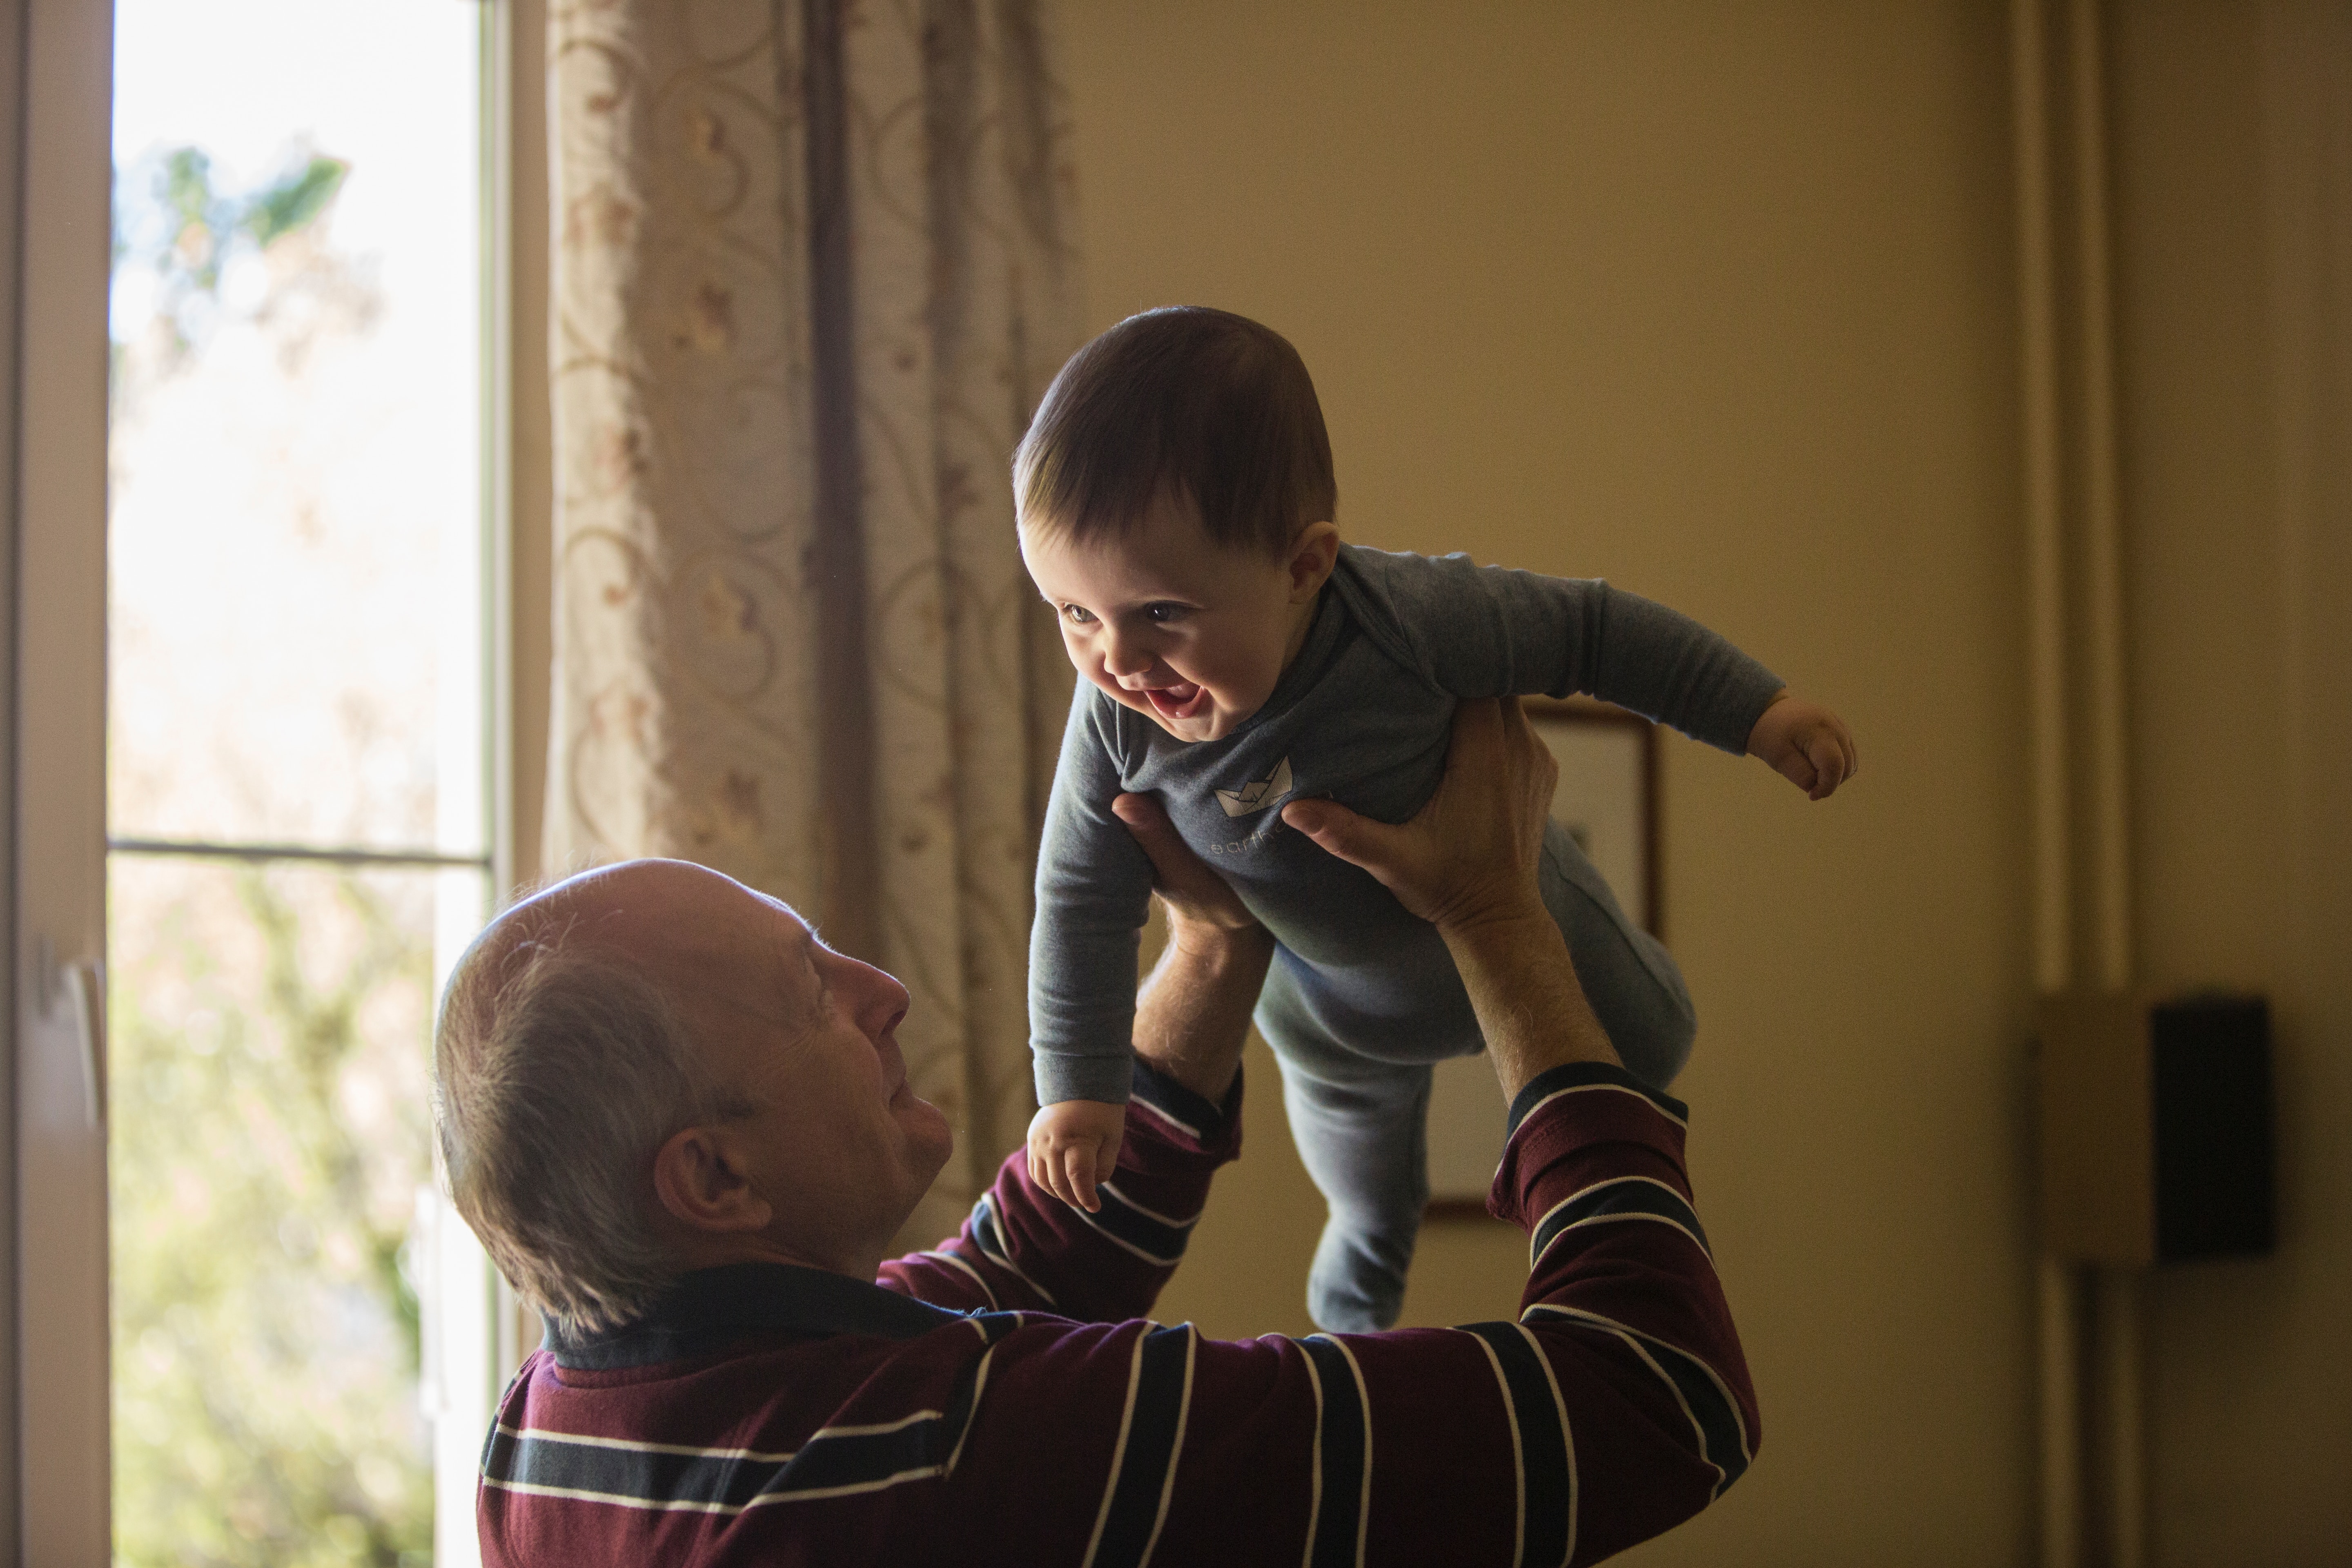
(2156, 1128)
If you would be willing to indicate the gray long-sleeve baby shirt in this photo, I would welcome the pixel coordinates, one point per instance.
(1364, 716)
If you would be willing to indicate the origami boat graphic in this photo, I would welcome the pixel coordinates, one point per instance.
(1257, 794)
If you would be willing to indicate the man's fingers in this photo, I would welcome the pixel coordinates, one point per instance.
(1148, 823)
(1183, 879)
(1338, 830)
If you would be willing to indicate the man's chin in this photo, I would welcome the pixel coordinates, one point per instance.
(929, 1136)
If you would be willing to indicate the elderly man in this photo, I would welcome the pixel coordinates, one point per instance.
(681, 1125)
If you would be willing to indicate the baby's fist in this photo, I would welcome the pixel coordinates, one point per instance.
(1073, 1145)
(1808, 745)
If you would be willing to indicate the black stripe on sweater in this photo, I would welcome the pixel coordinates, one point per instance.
(1546, 1469)
(1147, 1463)
(1589, 1075)
(1722, 1431)
(1139, 1231)
(1627, 1198)
(832, 1462)
(1344, 1441)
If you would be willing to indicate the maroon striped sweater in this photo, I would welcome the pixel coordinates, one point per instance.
(1001, 1399)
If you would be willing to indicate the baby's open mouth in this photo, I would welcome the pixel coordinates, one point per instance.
(1181, 700)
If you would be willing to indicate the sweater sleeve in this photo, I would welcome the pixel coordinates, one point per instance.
(1094, 890)
(1490, 631)
(1614, 1406)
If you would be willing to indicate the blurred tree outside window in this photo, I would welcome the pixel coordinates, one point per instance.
(297, 788)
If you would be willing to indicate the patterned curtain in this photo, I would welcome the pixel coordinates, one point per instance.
(814, 265)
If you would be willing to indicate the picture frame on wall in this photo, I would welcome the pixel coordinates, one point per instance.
(1607, 798)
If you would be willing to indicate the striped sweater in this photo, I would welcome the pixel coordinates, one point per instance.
(1001, 1399)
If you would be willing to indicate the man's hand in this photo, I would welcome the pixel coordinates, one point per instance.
(1469, 853)
(1808, 744)
(1197, 898)
(1466, 862)
(1073, 1145)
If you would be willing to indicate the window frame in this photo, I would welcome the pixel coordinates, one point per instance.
(62, 88)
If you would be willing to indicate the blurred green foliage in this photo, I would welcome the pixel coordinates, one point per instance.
(170, 217)
(269, 1139)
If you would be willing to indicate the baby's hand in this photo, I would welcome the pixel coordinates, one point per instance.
(1073, 1144)
(1810, 745)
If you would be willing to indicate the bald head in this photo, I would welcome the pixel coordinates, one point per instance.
(650, 1068)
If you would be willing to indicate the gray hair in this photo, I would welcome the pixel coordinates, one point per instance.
(559, 1069)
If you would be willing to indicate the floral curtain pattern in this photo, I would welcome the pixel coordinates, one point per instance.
(815, 267)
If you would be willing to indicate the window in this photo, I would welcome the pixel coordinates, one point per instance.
(300, 749)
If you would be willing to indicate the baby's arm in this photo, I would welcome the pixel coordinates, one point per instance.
(1809, 744)
(1191, 1031)
(1491, 632)
(1094, 886)
(1073, 1145)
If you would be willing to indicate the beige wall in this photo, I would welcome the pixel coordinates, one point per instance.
(1717, 301)
(2234, 316)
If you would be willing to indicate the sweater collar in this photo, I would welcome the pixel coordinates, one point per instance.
(706, 1310)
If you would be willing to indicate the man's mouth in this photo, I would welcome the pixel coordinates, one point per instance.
(893, 1066)
(1183, 700)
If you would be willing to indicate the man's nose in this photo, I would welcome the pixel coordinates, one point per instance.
(881, 1000)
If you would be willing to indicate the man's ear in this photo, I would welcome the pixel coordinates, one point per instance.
(703, 1184)
(1313, 554)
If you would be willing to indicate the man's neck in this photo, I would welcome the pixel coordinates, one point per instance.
(694, 1251)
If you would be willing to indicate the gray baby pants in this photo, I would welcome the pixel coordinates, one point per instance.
(1359, 1105)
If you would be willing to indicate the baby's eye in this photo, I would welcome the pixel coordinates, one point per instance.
(1079, 614)
(1164, 612)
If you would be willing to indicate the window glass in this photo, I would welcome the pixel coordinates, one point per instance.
(296, 417)
(296, 682)
(270, 1138)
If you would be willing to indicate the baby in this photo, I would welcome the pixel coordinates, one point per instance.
(1176, 504)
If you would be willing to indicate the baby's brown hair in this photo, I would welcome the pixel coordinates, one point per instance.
(1202, 404)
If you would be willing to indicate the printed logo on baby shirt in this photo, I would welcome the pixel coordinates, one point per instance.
(1258, 794)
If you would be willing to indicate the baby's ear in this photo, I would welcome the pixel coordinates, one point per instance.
(1312, 556)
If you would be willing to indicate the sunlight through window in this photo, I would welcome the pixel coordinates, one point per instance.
(297, 760)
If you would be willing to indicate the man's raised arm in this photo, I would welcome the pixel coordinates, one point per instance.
(1022, 1246)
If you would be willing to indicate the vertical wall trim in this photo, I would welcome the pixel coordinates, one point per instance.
(2107, 709)
(2044, 551)
(2118, 1321)
(2057, 1338)
(2076, 665)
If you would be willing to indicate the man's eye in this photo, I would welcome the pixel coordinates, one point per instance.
(1079, 614)
(1163, 613)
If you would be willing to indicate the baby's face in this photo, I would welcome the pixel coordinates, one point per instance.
(1191, 633)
